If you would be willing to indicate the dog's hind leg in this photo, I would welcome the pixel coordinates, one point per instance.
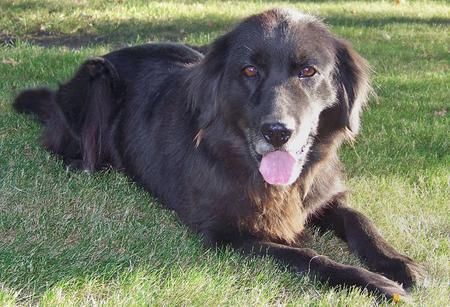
(77, 116)
(102, 88)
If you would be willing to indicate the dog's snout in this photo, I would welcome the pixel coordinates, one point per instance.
(276, 134)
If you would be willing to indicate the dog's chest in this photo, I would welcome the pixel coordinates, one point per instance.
(274, 214)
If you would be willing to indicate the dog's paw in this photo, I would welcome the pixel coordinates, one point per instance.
(75, 165)
(403, 270)
(387, 288)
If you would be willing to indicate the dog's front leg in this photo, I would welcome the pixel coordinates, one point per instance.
(307, 261)
(364, 240)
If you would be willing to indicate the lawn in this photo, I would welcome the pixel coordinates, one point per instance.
(79, 239)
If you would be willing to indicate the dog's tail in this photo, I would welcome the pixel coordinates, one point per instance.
(76, 116)
(57, 137)
(40, 101)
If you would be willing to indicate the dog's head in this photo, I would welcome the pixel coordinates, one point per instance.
(285, 82)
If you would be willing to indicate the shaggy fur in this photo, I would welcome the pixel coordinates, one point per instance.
(188, 128)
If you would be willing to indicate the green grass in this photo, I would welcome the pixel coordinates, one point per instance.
(78, 239)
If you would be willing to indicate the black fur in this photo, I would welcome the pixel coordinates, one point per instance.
(187, 128)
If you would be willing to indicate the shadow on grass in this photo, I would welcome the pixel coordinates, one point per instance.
(178, 30)
(129, 31)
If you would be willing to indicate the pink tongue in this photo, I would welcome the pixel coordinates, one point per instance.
(279, 168)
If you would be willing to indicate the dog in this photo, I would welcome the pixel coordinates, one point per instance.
(240, 141)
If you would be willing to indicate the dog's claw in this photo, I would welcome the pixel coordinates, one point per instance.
(388, 289)
(404, 270)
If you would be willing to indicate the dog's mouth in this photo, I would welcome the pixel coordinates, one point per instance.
(279, 168)
(282, 166)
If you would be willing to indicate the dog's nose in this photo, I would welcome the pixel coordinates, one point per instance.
(276, 134)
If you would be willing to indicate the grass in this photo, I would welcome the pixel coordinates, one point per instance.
(78, 239)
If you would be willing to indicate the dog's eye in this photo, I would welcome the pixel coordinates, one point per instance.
(307, 72)
(250, 71)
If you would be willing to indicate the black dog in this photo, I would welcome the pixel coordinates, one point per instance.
(241, 143)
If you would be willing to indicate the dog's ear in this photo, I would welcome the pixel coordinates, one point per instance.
(203, 83)
(352, 80)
